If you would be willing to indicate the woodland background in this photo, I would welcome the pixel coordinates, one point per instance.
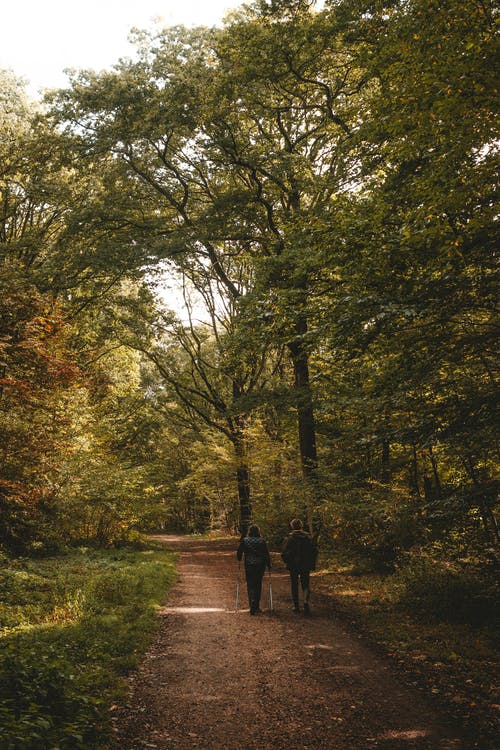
(321, 185)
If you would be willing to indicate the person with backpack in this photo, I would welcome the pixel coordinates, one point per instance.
(299, 555)
(257, 558)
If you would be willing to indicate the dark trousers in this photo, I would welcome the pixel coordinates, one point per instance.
(254, 575)
(304, 582)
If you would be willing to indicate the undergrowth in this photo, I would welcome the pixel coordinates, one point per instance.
(438, 622)
(72, 626)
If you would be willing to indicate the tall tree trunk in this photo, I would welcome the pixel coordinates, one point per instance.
(243, 481)
(305, 414)
(242, 473)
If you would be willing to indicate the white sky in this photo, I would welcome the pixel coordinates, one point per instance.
(40, 38)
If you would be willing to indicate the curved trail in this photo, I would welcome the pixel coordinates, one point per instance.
(218, 679)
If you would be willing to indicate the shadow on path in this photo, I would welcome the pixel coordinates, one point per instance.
(218, 678)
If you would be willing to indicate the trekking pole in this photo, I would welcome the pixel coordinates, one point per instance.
(238, 585)
(270, 592)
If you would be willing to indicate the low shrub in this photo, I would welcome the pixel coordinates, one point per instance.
(372, 527)
(448, 593)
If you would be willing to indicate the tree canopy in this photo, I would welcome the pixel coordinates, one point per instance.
(325, 180)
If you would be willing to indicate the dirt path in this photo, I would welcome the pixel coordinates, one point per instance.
(217, 679)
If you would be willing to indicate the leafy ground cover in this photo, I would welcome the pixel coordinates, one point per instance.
(72, 626)
(453, 658)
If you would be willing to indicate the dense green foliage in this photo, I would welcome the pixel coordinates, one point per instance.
(73, 626)
(71, 401)
(324, 182)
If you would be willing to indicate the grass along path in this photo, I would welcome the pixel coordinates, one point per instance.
(72, 626)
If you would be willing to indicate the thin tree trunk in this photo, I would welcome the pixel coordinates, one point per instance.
(385, 474)
(3, 370)
(486, 512)
(435, 472)
(414, 485)
(428, 489)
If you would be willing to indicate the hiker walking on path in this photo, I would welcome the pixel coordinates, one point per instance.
(323, 693)
(257, 558)
(299, 555)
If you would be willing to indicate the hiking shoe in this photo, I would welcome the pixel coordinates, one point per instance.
(307, 609)
(296, 609)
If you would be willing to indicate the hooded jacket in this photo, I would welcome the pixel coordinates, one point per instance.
(300, 551)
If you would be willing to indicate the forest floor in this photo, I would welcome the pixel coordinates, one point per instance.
(218, 678)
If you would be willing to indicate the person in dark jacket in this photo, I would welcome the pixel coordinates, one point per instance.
(257, 558)
(299, 555)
